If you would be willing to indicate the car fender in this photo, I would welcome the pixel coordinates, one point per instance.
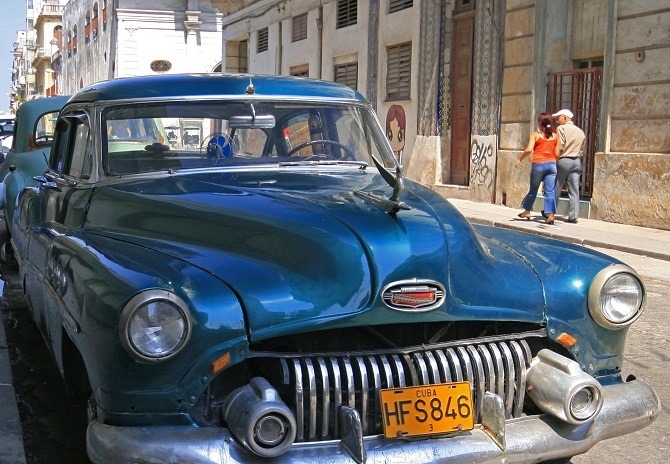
(98, 276)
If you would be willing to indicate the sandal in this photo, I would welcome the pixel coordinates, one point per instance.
(524, 215)
(550, 219)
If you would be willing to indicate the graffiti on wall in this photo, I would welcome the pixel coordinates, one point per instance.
(396, 124)
(482, 161)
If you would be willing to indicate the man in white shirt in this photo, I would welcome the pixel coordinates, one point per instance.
(569, 152)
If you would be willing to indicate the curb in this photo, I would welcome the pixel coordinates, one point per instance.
(566, 238)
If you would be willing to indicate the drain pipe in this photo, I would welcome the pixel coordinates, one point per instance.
(319, 47)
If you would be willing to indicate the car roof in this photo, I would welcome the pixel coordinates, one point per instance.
(215, 85)
(29, 112)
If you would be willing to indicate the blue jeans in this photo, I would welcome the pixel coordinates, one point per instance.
(542, 172)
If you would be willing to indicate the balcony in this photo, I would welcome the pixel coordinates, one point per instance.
(41, 54)
(51, 8)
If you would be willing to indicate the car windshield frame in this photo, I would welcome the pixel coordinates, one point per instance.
(150, 137)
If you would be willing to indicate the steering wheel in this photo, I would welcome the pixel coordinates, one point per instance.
(217, 146)
(347, 154)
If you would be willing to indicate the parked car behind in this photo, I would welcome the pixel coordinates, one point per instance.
(6, 137)
(276, 290)
(29, 155)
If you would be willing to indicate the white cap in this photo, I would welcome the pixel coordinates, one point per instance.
(566, 113)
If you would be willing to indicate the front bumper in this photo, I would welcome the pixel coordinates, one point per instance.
(627, 407)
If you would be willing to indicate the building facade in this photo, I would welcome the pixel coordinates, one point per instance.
(32, 76)
(457, 84)
(107, 39)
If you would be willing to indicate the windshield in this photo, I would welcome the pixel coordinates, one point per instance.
(189, 135)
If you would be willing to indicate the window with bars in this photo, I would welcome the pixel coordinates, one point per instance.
(397, 5)
(347, 10)
(346, 74)
(398, 71)
(262, 45)
(300, 27)
(237, 57)
(300, 71)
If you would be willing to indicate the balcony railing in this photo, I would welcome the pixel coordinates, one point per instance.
(51, 9)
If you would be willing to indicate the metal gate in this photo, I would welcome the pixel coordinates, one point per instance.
(579, 91)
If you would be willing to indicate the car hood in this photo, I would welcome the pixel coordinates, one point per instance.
(302, 250)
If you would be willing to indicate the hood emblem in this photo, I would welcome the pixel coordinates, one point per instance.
(413, 295)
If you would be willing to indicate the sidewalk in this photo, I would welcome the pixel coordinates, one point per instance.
(11, 438)
(642, 241)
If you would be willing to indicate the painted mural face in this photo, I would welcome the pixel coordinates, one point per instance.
(395, 129)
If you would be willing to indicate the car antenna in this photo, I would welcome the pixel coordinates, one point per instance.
(250, 90)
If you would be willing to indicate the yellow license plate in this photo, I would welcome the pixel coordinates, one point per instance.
(427, 410)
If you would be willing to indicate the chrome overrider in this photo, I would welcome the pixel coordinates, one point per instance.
(579, 412)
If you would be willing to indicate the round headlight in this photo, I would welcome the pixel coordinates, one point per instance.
(616, 296)
(154, 325)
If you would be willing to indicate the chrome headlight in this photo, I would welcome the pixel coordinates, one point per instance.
(616, 296)
(154, 325)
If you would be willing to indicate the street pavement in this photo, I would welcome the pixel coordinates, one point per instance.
(643, 241)
(640, 241)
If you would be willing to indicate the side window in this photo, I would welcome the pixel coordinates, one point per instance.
(82, 152)
(43, 133)
(72, 154)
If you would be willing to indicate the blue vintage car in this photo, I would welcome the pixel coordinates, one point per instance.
(29, 155)
(235, 270)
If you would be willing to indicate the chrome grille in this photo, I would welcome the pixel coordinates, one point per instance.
(320, 384)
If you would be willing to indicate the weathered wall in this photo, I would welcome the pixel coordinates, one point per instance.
(632, 189)
(640, 113)
(517, 107)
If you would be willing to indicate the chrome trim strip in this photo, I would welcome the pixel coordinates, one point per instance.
(510, 376)
(299, 404)
(377, 379)
(434, 369)
(311, 394)
(455, 365)
(444, 364)
(400, 370)
(388, 375)
(337, 392)
(489, 371)
(499, 369)
(422, 368)
(365, 386)
(521, 379)
(478, 382)
(351, 390)
(325, 394)
(541, 333)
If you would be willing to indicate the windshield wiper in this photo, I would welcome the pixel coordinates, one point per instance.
(360, 164)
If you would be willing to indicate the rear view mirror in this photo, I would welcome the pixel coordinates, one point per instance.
(265, 121)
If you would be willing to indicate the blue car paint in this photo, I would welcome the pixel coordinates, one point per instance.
(566, 277)
(26, 159)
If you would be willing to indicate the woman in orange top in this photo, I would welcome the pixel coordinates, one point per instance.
(542, 144)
